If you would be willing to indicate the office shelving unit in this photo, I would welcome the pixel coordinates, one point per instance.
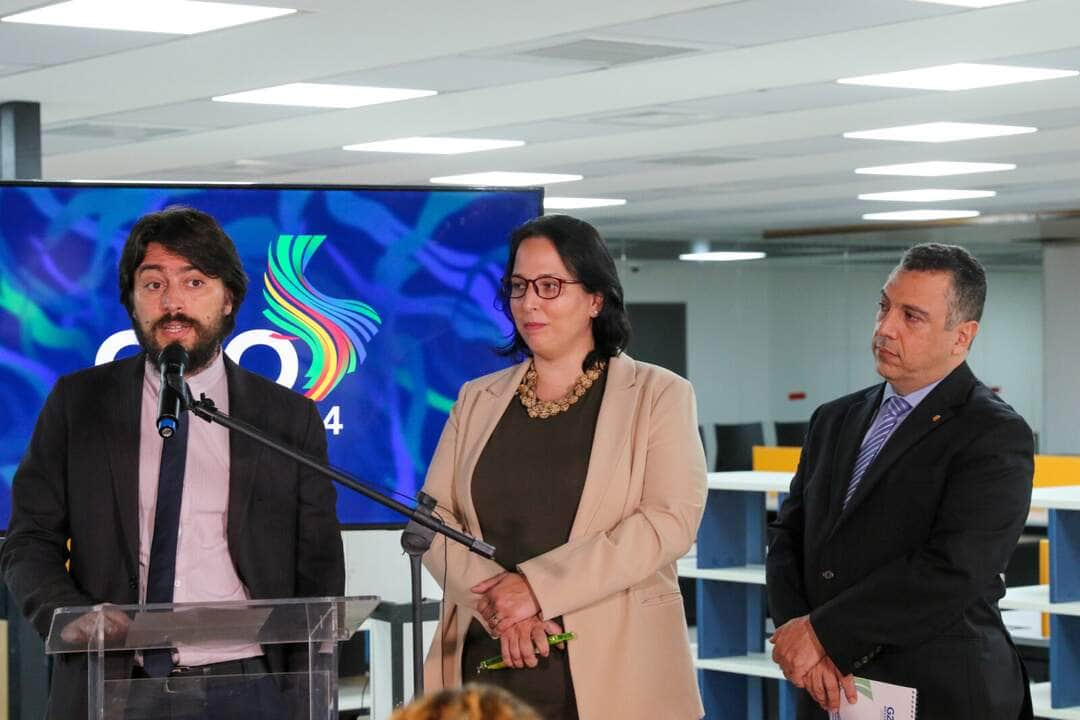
(732, 660)
(1058, 699)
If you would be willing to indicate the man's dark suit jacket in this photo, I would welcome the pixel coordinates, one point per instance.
(902, 585)
(79, 479)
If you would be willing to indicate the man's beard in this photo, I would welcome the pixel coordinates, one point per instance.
(207, 340)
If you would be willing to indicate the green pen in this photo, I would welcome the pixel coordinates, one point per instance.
(497, 663)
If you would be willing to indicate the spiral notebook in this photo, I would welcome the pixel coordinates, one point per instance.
(878, 701)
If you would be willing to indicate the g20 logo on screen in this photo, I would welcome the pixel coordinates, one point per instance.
(336, 331)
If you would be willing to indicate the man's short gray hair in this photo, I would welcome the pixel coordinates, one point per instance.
(968, 277)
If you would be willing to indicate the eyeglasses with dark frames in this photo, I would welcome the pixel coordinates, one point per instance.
(547, 287)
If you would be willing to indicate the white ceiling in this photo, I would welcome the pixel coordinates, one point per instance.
(715, 120)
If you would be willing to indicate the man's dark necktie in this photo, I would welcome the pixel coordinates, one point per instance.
(162, 572)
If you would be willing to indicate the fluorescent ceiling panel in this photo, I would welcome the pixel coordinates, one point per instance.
(958, 76)
(577, 203)
(935, 168)
(323, 95)
(922, 215)
(927, 195)
(178, 17)
(721, 256)
(498, 178)
(971, 3)
(433, 145)
(939, 132)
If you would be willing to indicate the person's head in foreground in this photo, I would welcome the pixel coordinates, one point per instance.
(471, 702)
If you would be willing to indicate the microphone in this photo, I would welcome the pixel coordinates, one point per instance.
(172, 362)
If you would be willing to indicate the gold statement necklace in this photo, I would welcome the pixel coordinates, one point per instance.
(546, 408)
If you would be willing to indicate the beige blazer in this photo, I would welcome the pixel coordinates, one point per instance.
(614, 581)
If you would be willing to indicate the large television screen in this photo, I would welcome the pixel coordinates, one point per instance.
(376, 302)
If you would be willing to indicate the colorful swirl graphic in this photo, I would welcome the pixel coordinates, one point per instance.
(335, 330)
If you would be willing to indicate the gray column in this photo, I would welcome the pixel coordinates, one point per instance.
(20, 141)
(1061, 347)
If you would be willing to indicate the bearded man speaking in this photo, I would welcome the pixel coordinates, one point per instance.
(106, 511)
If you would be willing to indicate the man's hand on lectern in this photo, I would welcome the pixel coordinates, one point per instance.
(81, 629)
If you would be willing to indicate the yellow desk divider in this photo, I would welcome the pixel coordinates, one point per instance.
(776, 459)
(1052, 471)
(1056, 470)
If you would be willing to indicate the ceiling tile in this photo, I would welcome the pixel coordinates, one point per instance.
(797, 148)
(1068, 59)
(1044, 120)
(208, 114)
(606, 53)
(13, 69)
(22, 44)
(547, 131)
(463, 72)
(759, 22)
(790, 99)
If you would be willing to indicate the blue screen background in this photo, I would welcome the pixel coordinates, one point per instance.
(427, 261)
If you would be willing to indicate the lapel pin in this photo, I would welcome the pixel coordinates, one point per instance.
(935, 418)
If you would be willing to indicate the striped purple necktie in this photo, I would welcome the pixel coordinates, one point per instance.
(894, 410)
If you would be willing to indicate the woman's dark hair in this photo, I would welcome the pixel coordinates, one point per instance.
(194, 236)
(586, 256)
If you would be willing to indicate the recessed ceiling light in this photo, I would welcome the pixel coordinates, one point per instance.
(935, 168)
(323, 95)
(505, 179)
(972, 3)
(927, 195)
(576, 203)
(178, 17)
(922, 215)
(433, 145)
(958, 76)
(721, 256)
(940, 132)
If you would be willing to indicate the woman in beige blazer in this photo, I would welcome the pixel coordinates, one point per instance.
(610, 578)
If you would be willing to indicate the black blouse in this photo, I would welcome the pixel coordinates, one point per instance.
(526, 488)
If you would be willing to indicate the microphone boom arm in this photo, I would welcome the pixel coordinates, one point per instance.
(205, 409)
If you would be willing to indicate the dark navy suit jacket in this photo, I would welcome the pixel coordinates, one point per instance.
(79, 480)
(903, 583)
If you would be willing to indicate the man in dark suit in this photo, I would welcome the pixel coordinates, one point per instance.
(91, 522)
(886, 558)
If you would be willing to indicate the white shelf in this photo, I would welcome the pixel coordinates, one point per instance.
(353, 693)
(754, 664)
(1036, 597)
(1040, 699)
(748, 574)
(761, 665)
(1061, 498)
(1056, 498)
(751, 481)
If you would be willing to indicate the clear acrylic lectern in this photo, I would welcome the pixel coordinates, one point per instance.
(302, 636)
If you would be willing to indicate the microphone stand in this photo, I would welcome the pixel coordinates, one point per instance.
(416, 539)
